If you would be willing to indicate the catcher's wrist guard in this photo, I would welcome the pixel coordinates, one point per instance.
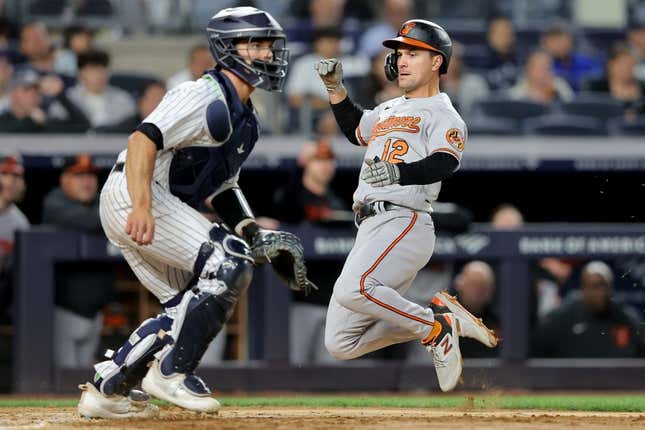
(248, 231)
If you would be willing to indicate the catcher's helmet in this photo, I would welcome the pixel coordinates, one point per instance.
(236, 24)
(421, 34)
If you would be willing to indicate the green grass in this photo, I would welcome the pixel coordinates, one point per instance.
(586, 402)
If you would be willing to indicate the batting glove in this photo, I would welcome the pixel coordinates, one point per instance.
(380, 173)
(330, 71)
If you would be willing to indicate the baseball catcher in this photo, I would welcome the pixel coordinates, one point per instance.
(189, 151)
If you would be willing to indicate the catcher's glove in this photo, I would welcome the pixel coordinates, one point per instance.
(284, 251)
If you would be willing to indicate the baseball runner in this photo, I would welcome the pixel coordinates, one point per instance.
(187, 151)
(413, 143)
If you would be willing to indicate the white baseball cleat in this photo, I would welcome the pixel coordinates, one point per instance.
(468, 324)
(94, 404)
(443, 344)
(173, 389)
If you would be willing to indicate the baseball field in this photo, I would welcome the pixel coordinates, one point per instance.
(455, 412)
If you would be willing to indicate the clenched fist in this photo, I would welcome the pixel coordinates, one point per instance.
(330, 71)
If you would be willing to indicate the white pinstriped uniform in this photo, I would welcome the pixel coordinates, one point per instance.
(165, 266)
(367, 310)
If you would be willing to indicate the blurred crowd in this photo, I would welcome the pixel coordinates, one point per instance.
(556, 80)
(501, 85)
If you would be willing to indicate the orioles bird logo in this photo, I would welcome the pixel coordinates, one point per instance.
(406, 28)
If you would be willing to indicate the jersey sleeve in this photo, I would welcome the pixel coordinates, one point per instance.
(447, 134)
(364, 129)
(180, 115)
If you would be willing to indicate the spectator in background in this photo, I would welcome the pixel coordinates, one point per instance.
(151, 97)
(104, 105)
(199, 60)
(549, 274)
(81, 289)
(321, 13)
(40, 105)
(464, 88)
(304, 89)
(501, 62)
(6, 72)
(310, 198)
(11, 220)
(620, 81)
(37, 47)
(376, 88)
(76, 40)
(393, 14)
(636, 40)
(506, 217)
(538, 84)
(589, 324)
(568, 64)
(475, 288)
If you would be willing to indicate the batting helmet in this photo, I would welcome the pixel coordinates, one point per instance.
(236, 24)
(421, 34)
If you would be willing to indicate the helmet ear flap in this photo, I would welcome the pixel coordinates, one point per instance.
(391, 69)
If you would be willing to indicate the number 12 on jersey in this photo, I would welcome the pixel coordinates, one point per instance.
(393, 150)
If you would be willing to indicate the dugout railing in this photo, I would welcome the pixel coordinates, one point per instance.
(37, 251)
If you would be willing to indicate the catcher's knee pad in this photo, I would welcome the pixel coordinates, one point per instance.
(217, 256)
(128, 365)
(204, 309)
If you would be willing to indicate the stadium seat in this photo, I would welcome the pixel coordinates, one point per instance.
(485, 126)
(133, 83)
(511, 109)
(635, 127)
(593, 105)
(565, 125)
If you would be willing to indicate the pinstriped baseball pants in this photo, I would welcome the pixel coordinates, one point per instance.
(165, 266)
(367, 310)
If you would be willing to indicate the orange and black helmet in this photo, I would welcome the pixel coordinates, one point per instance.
(421, 34)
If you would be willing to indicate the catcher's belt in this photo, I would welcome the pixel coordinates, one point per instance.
(118, 167)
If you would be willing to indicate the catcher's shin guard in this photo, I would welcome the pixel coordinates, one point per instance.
(204, 310)
(128, 365)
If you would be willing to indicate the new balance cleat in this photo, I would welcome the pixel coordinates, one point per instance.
(443, 344)
(468, 324)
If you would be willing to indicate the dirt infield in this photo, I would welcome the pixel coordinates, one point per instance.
(328, 418)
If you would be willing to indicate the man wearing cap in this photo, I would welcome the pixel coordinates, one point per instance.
(310, 198)
(413, 142)
(11, 220)
(40, 105)
(589, 324)
(81, 290)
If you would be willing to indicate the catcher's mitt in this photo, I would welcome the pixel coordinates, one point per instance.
(284, 251)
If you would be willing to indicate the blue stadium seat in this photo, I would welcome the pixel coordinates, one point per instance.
(133, 83)
(486, 126)
(565, 125)
(600, 106)
(635, 127)
(511, 109)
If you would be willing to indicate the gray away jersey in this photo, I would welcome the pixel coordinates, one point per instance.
(408, 130)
